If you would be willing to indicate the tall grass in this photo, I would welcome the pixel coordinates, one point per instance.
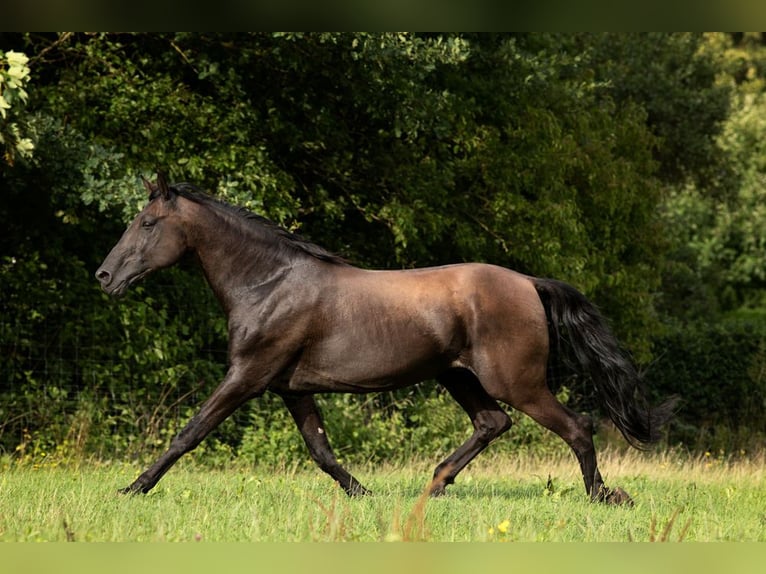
(501, 500)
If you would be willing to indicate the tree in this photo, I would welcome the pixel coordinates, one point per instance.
(540, 152)
(674, 78)
(719, 247)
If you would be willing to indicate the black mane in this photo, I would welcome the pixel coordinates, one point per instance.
(195, 194)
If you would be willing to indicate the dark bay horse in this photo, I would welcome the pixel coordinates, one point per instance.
(303, 321)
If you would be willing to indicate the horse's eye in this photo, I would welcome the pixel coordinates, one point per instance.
(148, 223)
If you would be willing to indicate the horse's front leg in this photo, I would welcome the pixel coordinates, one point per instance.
(304, 411)
(230, 394)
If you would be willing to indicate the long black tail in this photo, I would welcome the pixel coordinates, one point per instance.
(576, 322)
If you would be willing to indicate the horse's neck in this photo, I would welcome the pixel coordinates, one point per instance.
(235, 263)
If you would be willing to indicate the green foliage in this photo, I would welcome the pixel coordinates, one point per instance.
(78, 371)
(719, 371)
(677, 87)
(547, 153)
(14, 76)
(717, 258)
(419, 423)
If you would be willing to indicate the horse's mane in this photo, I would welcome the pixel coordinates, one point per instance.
(280, 234)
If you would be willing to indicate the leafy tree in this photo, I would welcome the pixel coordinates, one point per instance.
(673, 77)
(542, 152)
(719, 244)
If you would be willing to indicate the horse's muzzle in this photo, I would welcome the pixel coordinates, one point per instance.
(104, 277)
(109, 286)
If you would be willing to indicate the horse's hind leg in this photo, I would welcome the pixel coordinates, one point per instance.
(577, 432)
(489, 422)
(304, 411)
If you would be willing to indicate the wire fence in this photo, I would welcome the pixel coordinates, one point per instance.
(107, 368)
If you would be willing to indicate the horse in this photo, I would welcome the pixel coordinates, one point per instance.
(302, 320)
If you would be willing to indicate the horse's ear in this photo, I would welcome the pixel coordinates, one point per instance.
(148, 185)
(162, 185)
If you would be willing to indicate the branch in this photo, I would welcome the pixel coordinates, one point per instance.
(489, 231)
(61, 39)
(183, 56)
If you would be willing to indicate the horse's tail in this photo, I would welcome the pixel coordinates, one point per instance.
(576, 322)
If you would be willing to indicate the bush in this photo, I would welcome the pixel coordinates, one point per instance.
(719, 370)
(421, 422)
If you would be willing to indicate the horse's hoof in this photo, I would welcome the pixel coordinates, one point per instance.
(438, 489)
(357, 489)
(133, 489)
(616, 496)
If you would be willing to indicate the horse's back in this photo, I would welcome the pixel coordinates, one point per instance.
(479, 301)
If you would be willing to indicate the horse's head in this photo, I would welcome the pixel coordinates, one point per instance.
(153, 240)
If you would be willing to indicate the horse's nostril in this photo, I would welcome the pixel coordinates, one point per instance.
(104, 276)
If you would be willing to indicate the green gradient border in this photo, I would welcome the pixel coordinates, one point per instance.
(383, 558)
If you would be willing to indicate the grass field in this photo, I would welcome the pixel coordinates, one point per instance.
(676, 498)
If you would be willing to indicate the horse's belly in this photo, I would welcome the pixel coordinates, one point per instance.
(358, 364)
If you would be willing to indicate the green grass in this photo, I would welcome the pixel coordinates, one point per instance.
(677, 498)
